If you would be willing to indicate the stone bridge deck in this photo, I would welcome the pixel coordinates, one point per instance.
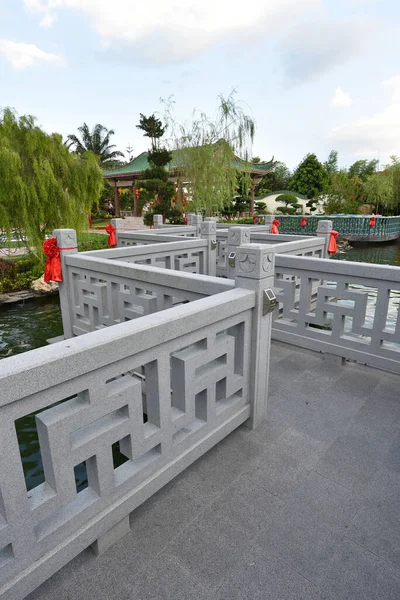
(305, 507)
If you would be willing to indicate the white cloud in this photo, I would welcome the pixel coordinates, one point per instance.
(314, 47)
(340, 98)
(377, 133)
(167, 31)
(21, 56)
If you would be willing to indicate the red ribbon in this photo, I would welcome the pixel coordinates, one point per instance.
(254, 219)
(112, 240)
(303, 222)
(372, 222)
(52, 270)
(275, 225)
(332, 246)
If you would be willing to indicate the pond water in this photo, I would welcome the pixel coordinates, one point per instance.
(27, 325)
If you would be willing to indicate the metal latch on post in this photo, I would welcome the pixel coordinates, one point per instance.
(269, 301)
(213, 244)
(232, 259)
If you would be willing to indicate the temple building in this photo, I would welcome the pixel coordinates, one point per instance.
(129, 175)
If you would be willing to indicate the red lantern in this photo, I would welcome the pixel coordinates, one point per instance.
(372, 221)
(303, 222)
(137, 194)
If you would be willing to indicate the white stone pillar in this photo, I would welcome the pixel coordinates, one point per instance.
(268, 219)
(324, 230)
(157, 221)
(236, 237)
(67, 243)
(196, 222)
(118, 225)
(255, 271)
(208, 232)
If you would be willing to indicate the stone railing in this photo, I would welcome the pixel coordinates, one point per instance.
(353, 312)
(157, 392)
(189, 255)
(228, 241)
(130, 405)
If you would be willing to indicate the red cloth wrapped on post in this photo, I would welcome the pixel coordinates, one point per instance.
(303, 222)
(112, 240)
(372, 221)
(275, 225)
(254, 219)
(52, 270)
(332, 246)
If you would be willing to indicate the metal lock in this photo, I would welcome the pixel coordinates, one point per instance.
(269, 301)
(213, 244)
(232, 259)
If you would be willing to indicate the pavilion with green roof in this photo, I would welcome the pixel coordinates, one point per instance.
(130, 174)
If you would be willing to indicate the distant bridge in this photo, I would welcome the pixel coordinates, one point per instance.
(355, 228)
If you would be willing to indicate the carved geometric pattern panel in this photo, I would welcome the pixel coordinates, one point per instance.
(344, 311)
(149, 410)
(98, 303)
(222, 257)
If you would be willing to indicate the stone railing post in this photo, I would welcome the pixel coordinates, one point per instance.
(157, 221)
(196, 222)
(324, 230)
(268, 221)
(208, 232)
(236, 237)
(118, 225)
(255, 271)
(66, 241)
(190, 218)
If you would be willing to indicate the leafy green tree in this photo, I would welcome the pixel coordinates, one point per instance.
(290, 202)
(98, 142)
(275, 181)
(345, 194)
(42, 185)
(379, 190)
(310, 179)
(363, 169)
(205, 152)
(331, 165)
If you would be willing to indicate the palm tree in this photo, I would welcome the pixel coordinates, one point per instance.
(97, 140)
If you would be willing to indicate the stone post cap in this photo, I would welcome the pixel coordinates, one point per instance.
(208, 228)
(158, 219)
(268, 219)
(214, 219)
(66, 239)
(196, 219)
(238, 236)
(325, 226)
(255, 261)
(190, 217)
(117, 223)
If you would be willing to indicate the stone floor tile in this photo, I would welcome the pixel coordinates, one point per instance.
(297, 443)
(337, 503)
(303, 537)
(383, 491)
(357, 381)
(279, 472)
(166, 579)
(378, 531)
(268, 579)
(350, 462)
(359, 575)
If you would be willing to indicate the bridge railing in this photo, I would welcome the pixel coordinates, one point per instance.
(351, 315)
(353, 227)
(132, 406)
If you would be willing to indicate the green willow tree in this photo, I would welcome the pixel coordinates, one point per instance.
(42, 185)
(205, 152)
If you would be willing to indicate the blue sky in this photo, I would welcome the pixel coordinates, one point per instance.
(316, 75)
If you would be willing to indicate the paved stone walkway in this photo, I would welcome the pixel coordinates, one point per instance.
(306, 507)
